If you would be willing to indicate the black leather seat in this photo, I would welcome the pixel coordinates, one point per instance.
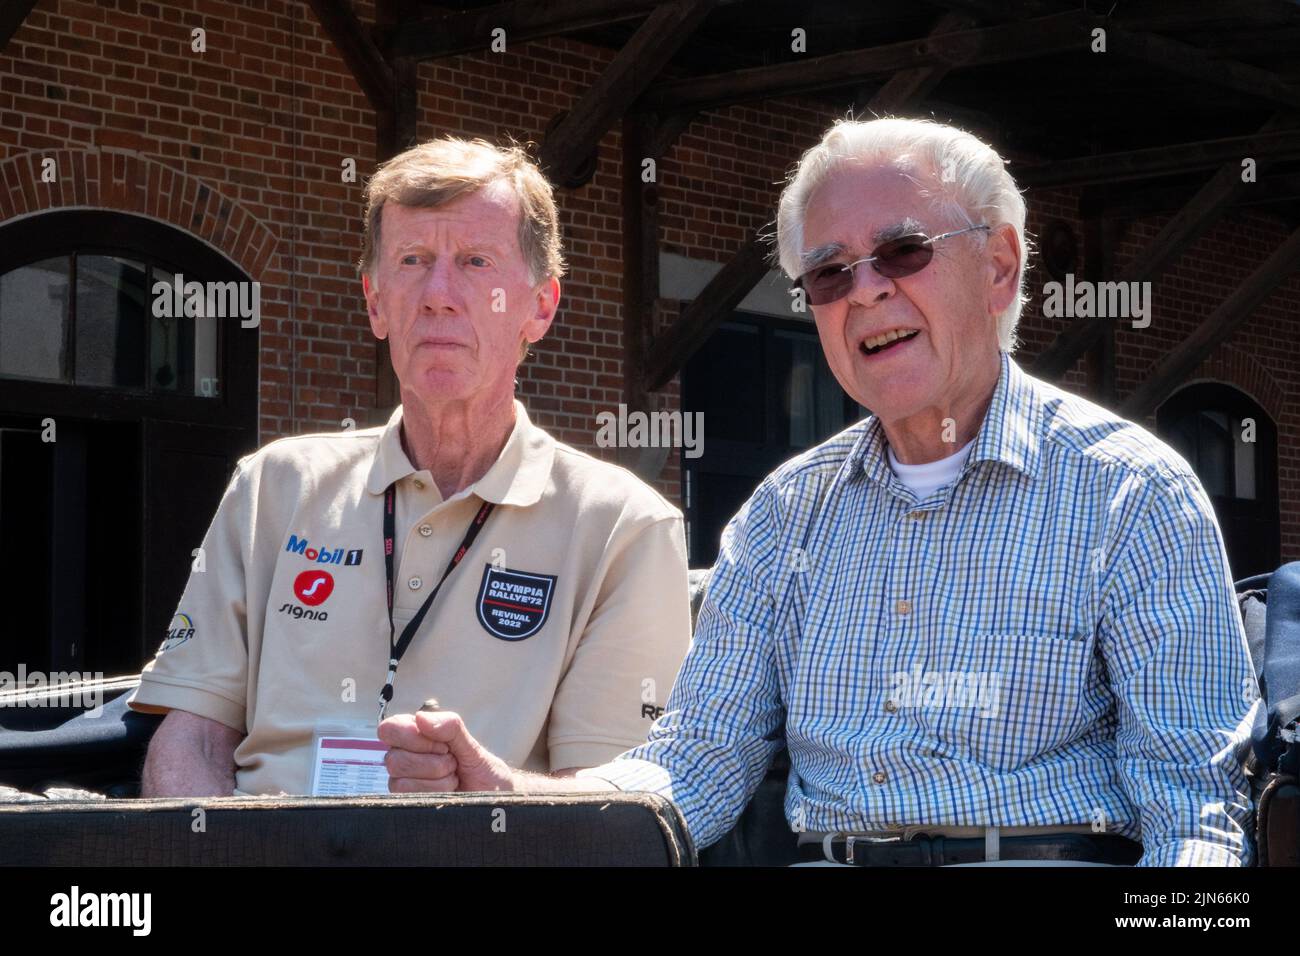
(102, 752)
(463, 829)
(1271, 610)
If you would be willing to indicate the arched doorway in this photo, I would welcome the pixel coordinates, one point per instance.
(120, 424)
(1231, 443)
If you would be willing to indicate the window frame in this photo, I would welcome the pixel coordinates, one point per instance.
(1250, 525)
(85, 232)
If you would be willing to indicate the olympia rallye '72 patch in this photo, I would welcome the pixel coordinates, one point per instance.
(513, 605)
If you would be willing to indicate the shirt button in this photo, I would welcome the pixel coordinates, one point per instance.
(425, 530)
(419, 485)
(878, 777)
(917, 515)
(903, 607)
(415, 583)
(890, 707)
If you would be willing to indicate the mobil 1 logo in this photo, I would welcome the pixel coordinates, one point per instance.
(322, 555)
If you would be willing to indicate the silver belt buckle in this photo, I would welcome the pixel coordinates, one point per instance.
(849, 841)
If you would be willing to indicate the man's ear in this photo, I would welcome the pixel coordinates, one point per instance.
(377, 323)
(1004, 265)
(548, 301)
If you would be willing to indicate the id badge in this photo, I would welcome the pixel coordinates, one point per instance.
(348, 761)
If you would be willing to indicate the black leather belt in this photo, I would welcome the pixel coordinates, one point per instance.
(945, 851)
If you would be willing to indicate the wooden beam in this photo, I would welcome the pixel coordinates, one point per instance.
(1275, 45)
(363, 59)
(12, 15)
(1002, 9)
(1061, 32)
(1100, 237)
(1196, 64)
(1039, 37)
(1216, 328)
(733, 282)
(1125, 35)
(568, 146)
(640, 256)
(644, 136)
(1200, 212)
(666, 131)
(1143, 202)
(908, 87)
(1196, 216)
(706, 312)
(1159, 16)
(469, 31)
(1198, 14)
(640, 282)
(395, 131)
(1160, 160)
(395, 124)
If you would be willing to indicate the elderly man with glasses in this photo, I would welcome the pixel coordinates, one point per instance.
(993, 621)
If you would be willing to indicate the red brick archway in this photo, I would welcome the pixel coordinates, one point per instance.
(130, 182)
(1231, 366)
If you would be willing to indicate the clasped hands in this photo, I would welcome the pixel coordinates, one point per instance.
(431, 751)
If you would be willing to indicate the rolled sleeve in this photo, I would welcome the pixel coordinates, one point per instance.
(710, 749)
(1179, 665)
(629, 652)
(206, 673)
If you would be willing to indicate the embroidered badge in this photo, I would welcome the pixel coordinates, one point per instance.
(513, 605)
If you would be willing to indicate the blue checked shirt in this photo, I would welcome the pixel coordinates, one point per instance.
(1053, 638)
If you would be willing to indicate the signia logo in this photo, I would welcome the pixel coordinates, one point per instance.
(313, 587)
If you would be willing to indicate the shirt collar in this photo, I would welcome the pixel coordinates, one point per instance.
(517, 477)
(1010, 432)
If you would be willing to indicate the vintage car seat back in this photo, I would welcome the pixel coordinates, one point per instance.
(1274, 760)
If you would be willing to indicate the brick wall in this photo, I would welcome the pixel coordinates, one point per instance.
(240, 145)
(243, 146)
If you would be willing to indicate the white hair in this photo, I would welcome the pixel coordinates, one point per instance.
(967, 181)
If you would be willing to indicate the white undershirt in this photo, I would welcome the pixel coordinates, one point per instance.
(924, 479)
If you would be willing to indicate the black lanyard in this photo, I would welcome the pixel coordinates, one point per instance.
(398, 648)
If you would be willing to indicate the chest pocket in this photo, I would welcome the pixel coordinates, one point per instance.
(1004, 699)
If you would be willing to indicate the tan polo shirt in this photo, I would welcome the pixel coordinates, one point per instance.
(557, 638)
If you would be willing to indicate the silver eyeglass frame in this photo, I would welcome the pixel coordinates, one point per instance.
(931, 240)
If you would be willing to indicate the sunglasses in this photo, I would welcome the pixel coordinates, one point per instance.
(895, 259)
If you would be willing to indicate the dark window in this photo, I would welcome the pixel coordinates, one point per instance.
(1231, 444)
(120, 423)
(34, 304)
(105, 321)
(766, 394)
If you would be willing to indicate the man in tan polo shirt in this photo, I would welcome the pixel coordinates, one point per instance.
(559, 612)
